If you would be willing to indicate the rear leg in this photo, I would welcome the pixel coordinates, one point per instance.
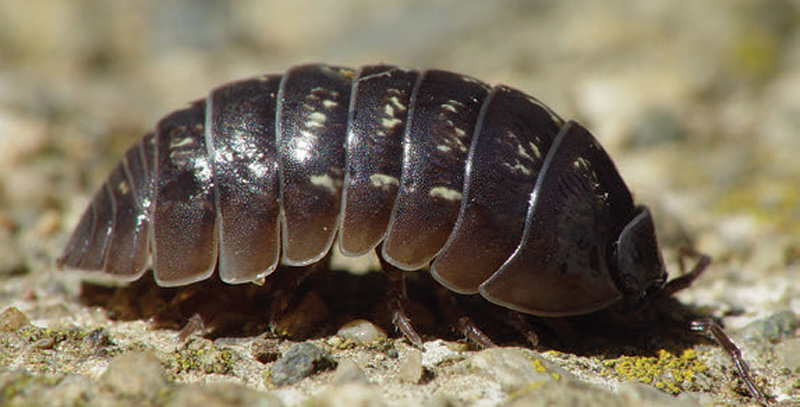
(398, 300)
(459, 321)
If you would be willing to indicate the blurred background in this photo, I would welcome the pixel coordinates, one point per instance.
(697, 102)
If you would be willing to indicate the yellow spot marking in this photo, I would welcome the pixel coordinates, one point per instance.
(445, 193)
(182, 142)
(316, 119)
(123, 188)
(390, 123)
(325, 181)
(383, 180)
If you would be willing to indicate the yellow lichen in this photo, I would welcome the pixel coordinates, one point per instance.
(666, 371)
(539, 366)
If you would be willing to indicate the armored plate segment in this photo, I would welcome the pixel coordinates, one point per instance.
(442, 119)
(312, 124)
(377, 120)
(241, 143)
(578, 207)
(184, 225)
(513, 135)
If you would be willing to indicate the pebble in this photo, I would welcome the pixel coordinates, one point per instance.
(13, 319)
(97, 338)
(773, 328)
(567, 393)
(361, 332)
(138, 376)
(514, 368)
(221, 395)
(788, 352)
(410, 370)
(349, 371)
(74, 390)
(438, 351)
(302, 360)
(352, 394)
(575, 393)
(265, 350)
(637, 394)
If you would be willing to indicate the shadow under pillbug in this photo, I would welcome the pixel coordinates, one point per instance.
(486, 184)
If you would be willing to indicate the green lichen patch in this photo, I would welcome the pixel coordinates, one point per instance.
(20, 385)
(54, 350)
(774, 202)
(201, 356)
(666, 371)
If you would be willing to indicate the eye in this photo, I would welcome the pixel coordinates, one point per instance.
(629, 283)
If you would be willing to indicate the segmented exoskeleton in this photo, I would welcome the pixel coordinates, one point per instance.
(486, 184)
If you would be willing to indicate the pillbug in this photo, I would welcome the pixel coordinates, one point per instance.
(487, 185)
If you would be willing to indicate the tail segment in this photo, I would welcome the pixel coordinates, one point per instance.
(117, 220)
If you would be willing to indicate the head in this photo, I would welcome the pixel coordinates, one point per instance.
(636, 264)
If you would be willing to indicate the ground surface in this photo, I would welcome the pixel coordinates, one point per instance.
(697, 102)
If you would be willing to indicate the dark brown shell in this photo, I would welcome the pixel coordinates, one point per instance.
(499, 193)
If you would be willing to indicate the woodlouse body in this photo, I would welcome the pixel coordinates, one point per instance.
(505, 198)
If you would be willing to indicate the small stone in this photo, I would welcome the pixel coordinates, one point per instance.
(638, 394)
(77, 390)
(349, 371)
(788, 351)
(335, 342)
(220, 395)
(461, 390)
(135, 375)
(265, 350)
(45, 343)
(773, 328)
(410, 370)
(568, 394)
(13, 319)
(362, 332)
(391, 353)
(348, 395)
(438, 351)
(97, 338)
(302, 360)
(514, 368)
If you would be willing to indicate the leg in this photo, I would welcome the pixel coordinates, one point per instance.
(712, 329)
(686, 279)
(459, 321)
(707, 326)
(397, 300)
(194, 325)
(518, 321)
